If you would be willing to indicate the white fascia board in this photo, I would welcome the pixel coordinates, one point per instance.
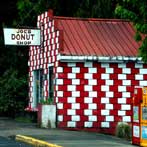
(64, 58)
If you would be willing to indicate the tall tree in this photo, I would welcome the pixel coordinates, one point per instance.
(13, 65)
(136, 11)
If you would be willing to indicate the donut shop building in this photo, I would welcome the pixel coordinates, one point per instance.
(88, 68)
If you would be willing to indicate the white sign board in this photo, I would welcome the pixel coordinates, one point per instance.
(22, 36)
(136, 131)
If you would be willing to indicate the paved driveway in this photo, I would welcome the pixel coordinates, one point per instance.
(83, 139)
(63, 138)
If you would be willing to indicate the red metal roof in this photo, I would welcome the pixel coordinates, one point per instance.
(100, 37)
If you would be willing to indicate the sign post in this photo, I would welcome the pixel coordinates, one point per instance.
(25, 37)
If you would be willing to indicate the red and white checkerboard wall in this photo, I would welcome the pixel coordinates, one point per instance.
(41, 56)
(97, 95)
(87, 94)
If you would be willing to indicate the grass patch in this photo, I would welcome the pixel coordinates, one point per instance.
(23, 119)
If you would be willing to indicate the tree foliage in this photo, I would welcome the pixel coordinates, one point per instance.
(29, 9)
(12, 92)
(96, 8)
(136, 11)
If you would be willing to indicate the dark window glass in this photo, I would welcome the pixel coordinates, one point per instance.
(51, 82)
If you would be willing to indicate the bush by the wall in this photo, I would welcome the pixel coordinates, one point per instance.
(123, 130)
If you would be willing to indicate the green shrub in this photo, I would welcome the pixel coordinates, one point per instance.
(46, 101)
(13, 94)
(123, 130)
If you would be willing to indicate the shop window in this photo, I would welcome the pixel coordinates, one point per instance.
(51, 83)
(38, 86)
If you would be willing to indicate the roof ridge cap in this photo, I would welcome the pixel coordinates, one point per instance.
(90, 19)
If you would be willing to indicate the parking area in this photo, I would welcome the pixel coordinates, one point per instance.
(65, 138)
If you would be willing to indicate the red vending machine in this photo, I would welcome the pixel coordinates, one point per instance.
(136, 109)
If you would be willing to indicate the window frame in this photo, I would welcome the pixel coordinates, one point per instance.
(38, 92)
